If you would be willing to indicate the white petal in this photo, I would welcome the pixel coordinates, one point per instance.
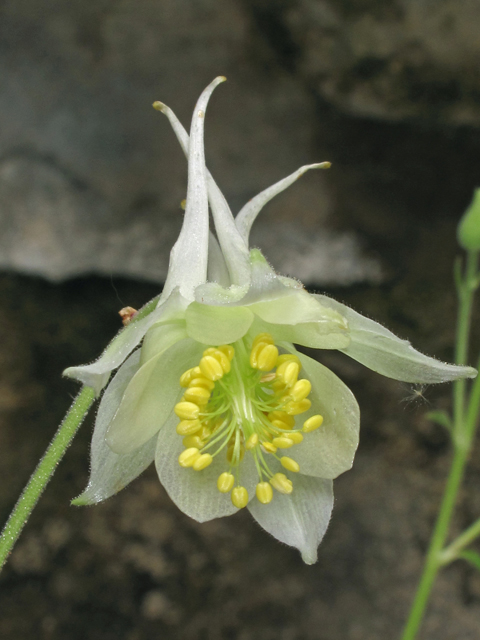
(299, 519)
(161, 337)
(328, 451)
(233, 247)
(382, 351)
(195, 492)
(110, 472)
(217, 269)
(247, 215)
(150, 397)
(189, 256)
(96, 375)
(217, 325)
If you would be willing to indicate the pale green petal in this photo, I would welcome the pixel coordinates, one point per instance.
(217, 325)
(96, 375)
(247, 215)
(309, 334)
(214, 294)
(110, 472)
(299, 519)
(160, 337)
(234, 249)
(382, 351)
(150, 397)
(189, 255)
(195, 492)
(328, 451)
(217, 269)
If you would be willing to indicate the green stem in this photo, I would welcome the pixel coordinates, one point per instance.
(462, 440)
(44, 471)
(465, 291)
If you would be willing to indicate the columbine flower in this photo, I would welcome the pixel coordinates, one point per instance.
(233, 415)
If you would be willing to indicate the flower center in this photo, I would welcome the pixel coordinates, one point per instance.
(239, 402)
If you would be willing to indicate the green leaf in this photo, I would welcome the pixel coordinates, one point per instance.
(472, 557)
(440, 417)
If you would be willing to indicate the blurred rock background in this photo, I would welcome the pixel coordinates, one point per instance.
(91, 180)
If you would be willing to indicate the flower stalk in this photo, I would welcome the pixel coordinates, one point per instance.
(44, 471)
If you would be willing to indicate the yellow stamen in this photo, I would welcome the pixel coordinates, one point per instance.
(202, 462)
(188, 457)
(289, 464)
(288, 373)
(223, 360)
(255, 353)
(283, 417)
(201, 381)
(269, 447)
(288, 357)
(240, 497)
(225, 482)
(211, 368)
(267, 358)
(252, 442)
(296, 437)
(193, 441)
(228, 350)
(188, 427)
(312, 423)
(186, 377)
(281, 483)
(300, 390)
(231, 453)
(295, 408)
(282, 442)
(187, 410)
(262, 337)
(197, 395)
(281, 425)
(264, 492)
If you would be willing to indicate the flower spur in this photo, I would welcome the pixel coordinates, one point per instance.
(217, 391)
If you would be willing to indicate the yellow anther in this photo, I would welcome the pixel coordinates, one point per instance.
(279, 424)
(252, 442)
(312, 423)
(228, 350)
(290, 464)
(201, 381)
(205, 433)
(211, 368)
(288, 373)
(240, 497)
(283, 417)
(255, 353)
(295, 408)
(267, 358)
(210, 351)
(197, 395)
(282, 442)
(202, 462)
(188, 427)
(281, 483)
(288, 357)
(264, 492)
(300, 390)
(279, 386)
(225, 482)
(186, 377)
(188, 457)
(231, 454)
(196, 371)
(269, 447)
(296, 436)
(263, 337)
(223, 360)
(187, 410)
(192, 441)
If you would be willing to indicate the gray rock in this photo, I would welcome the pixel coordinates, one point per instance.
(91, 176)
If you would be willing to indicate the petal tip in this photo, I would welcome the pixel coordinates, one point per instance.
(158, 106)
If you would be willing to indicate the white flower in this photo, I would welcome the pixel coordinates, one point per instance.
(218, 395)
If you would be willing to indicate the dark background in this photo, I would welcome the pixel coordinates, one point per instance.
(90, 184)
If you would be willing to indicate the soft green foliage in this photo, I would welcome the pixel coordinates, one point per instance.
(469, 227)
